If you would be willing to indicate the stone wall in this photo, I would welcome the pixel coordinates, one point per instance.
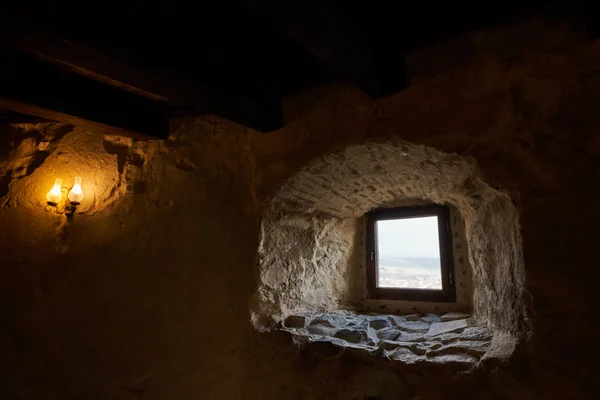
(308, 248)
(449, 339)
(147, 297)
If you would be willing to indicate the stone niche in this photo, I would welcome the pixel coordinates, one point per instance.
(312, 280)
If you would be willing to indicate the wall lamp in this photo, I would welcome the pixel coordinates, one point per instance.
(55, 195)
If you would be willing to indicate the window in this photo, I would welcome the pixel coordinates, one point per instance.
(409, 254)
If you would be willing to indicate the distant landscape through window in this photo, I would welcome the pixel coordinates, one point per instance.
(409, 253)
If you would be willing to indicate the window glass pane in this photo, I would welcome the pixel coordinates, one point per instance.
(409, 253)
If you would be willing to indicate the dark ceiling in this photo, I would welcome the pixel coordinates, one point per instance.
(129, 65)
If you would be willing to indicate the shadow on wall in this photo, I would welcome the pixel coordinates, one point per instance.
(309, 228)
(26, 150)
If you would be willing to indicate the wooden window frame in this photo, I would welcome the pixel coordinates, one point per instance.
(448, 292)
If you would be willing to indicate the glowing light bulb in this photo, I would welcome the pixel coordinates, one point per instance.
(76, 194)
(54, 196)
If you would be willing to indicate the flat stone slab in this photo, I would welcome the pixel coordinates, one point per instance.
(437, 328)
(425, 339)
(321, 330)
(473, 348)
(411, 317)
(452, 316)
(476, 333)
(453, 359)
(411, 337)
(412, 326)
(431, 318)
(448, 337)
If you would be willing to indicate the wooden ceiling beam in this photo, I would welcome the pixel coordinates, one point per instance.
(30, 87)
(187, 97)
(328, 35)
(11, 117)
(592, 19)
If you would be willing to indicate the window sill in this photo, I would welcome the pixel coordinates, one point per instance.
(409, 339)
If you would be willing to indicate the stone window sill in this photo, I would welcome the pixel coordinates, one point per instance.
(410, 339)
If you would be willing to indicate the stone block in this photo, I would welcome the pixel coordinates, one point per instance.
(476, 333)
(358, 321)
(462, 359)
(389, 344)
(412, 326)
(295, 321)
(411, 317)
(446, 337)
(396, 320)
(352, 335)
(330, 320)
(411, 337)
(320, 330)
(434, 345)
(419, 348)
(452, 316)
(405, 355)
(392, 344)
(380, 323)
(387, 334)
(438, 328)
(431, 318)
(474, 348)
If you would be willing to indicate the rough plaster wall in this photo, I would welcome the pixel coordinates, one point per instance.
(351, 183)
(304, 246)
(150, 300)
(522, 102)
(358, 179)
(463, 270)
(116, 302)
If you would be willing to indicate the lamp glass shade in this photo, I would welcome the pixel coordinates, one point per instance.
(55, 195)
(76, 194)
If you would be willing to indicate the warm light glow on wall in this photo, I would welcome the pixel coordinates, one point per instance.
(54, 196)
(76, 194)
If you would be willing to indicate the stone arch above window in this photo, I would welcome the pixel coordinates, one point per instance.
(310, 248)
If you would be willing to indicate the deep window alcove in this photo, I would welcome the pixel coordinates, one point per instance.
(313, 255)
